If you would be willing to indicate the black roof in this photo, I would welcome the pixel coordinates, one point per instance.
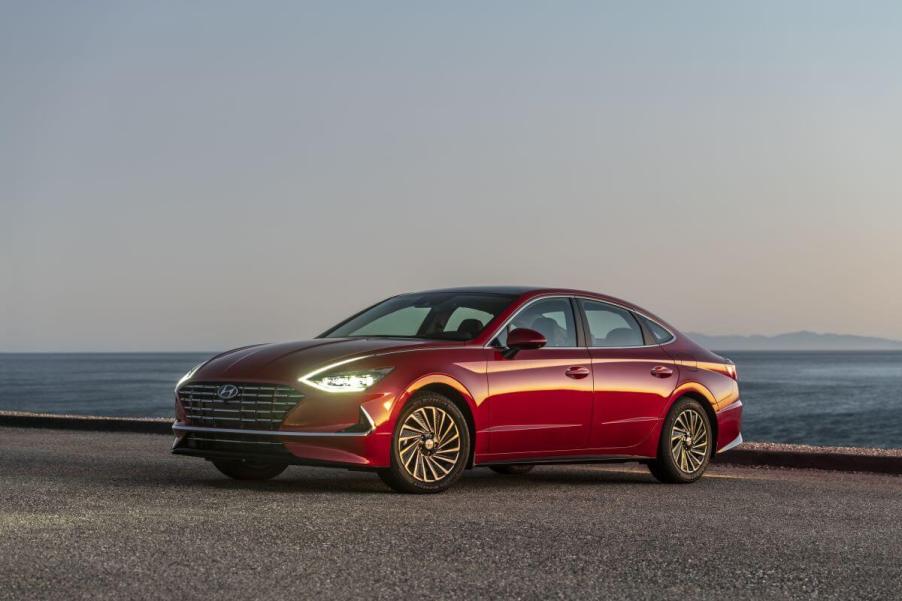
(512, 290)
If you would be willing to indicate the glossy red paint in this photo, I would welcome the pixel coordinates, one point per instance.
(524, 338)
(579, 403)
(534, 407)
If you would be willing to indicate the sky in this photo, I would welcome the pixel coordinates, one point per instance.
(203, 175)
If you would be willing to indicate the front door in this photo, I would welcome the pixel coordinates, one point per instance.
(540, 401)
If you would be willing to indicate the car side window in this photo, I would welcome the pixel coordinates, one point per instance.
(658, 332)
(611, 326)
(551, 317)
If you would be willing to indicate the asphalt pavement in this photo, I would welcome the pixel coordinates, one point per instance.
(101, 515)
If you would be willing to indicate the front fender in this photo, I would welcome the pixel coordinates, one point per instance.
(432, 380)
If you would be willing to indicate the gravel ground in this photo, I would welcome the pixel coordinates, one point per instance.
(105, 515)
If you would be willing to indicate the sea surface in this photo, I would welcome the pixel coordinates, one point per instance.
(822, 398)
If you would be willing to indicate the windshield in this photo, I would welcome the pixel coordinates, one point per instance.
(434, 315)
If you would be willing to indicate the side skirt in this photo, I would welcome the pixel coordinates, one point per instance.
(568, 459)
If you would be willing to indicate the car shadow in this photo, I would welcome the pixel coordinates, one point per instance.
(561, 475)
(305, 480)
(358, 483)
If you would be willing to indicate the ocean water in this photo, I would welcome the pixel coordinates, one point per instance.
(824, 398)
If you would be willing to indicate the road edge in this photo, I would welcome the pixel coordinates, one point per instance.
(143, 425)
(806, 457)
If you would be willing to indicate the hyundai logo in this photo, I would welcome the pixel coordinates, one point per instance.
(227, 392)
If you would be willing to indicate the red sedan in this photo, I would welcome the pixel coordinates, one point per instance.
(422, 386)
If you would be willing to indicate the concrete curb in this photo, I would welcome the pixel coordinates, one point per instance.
(144, 425)
(845, 459)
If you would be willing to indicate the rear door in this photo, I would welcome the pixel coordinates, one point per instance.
(633, 377)
(540, 401)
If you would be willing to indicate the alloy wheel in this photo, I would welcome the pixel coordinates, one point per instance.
(689, 440)
(429, 444)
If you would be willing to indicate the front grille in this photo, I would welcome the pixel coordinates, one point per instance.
(244, 444)
(257, 406)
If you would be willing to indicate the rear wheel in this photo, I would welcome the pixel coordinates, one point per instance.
(248, 470)
(430, 446)
(512, 470)
(686, 444)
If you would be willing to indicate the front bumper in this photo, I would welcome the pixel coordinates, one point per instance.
(343, 430)
(361, 447)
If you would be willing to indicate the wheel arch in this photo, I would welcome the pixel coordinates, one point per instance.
(456, 392)
(694, 390)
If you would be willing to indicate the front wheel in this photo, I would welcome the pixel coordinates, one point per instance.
(686, 444)
(430, 446)
(246, 470)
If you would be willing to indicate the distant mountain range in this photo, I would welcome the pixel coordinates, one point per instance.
(797, 341)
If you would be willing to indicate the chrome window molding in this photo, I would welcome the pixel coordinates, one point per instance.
(507, 321)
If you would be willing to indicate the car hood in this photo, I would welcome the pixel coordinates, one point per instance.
(287, 361)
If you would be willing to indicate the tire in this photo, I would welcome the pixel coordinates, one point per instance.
(686, 444)
(430, 446)
(246, 470)
(512, 470)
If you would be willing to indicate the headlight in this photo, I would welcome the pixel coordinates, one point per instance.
(188, 375)
(344, 381)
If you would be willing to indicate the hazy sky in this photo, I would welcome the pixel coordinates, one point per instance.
(201, 175)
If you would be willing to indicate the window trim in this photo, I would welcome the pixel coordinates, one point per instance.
(582, 324)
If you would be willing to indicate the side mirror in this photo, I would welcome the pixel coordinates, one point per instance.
(523, 339)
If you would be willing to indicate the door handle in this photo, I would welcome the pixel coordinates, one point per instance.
(577, 373)
(660, 371)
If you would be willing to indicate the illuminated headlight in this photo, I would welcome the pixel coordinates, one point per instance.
(188, 375)
(345, 381)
